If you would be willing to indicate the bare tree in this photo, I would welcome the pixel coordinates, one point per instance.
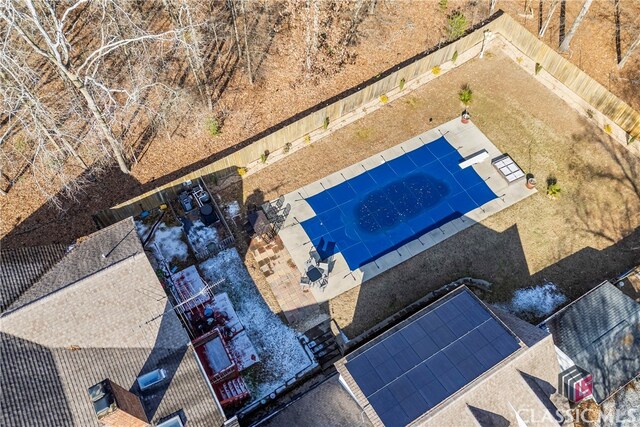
(492, 6)
(231, 4)
(353, 25)
(564, 46)
(247, 52)
(40, 143)
(631, 49)
(182, 18)
(312, 26)
(46, 31)
(547, 21)
(35, 116)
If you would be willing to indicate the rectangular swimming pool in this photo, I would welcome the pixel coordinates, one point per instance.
(390, 205)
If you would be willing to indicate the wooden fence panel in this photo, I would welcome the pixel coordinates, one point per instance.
(561, 69)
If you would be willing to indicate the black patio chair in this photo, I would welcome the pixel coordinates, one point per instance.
(285, 213)
(278, 203)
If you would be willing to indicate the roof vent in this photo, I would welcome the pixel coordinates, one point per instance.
(174, 421)
(152, 378)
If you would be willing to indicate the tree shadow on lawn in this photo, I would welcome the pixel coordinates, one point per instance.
(482, 253)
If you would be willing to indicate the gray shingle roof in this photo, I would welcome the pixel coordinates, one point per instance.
(600, 332)
(115, 323)
(92, 254)
(20, 268)
(48, 387)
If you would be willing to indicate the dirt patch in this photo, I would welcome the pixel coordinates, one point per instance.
(586, 235)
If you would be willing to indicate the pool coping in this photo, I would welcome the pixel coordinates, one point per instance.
(466, 138)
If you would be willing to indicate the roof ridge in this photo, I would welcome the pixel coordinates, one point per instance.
(8, 312)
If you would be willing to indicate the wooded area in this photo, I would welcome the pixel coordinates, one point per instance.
(88, 84)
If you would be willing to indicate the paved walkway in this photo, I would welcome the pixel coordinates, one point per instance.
(300, 308)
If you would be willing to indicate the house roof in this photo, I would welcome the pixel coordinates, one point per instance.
(22, 267)
(115, 323)
(600, 332)
(90, 255)
(476, 367)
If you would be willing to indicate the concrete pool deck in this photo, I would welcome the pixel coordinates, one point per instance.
(466, 138)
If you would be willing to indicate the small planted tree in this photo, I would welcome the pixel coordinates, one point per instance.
(456, 24)
(466, 96)
(553, 189)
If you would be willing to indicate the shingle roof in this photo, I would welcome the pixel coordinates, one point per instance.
(96, 252)
(116, 324)
(20, 268)
(600, 332)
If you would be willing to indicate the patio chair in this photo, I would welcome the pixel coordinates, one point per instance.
(271, 213)
(275, 228)
(266, 237)
(322, 284)
(248, 229)
(281, 218)
(324, 265)
(305, 283)
(278, 203)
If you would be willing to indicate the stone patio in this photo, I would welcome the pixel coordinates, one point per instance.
(299, 308)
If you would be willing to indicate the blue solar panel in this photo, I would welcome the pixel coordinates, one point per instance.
(395, 202)
(436, 353)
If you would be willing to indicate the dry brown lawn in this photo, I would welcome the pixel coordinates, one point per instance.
(589, 233)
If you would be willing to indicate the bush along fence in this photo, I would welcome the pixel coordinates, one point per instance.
(342, 109)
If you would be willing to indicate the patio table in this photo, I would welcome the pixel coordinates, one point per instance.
(260, 223)
(314, 274)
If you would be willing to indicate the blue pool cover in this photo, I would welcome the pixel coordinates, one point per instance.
(380, 210)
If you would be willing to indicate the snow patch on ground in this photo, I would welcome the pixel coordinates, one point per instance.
(622, 406)
(200, 236)
(142, 229)
(233, 209)
(535, 301)
(169, 241)
(282, 356)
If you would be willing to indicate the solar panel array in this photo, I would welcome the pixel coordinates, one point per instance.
(417, 367)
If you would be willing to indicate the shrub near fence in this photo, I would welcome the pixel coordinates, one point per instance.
(410, 74)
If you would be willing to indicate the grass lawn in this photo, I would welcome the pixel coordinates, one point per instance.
(589, 233)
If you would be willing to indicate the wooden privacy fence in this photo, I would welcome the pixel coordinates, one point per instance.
(569, 75)
(411, 72)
